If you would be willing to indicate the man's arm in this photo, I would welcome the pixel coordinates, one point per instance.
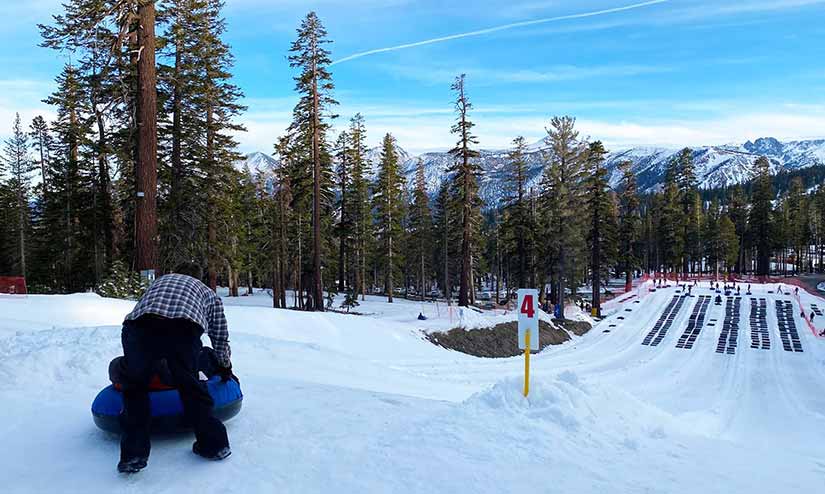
(219, 334)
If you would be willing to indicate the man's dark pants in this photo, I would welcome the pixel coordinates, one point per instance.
(147, 340)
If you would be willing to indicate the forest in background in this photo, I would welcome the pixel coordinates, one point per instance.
(138, 172)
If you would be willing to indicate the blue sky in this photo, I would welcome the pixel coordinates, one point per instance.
(674, 73)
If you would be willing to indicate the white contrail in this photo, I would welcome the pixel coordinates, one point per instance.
(498, 28)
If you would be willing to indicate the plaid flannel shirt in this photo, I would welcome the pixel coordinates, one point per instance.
(179, 296)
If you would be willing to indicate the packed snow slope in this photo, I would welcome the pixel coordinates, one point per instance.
(363, 404)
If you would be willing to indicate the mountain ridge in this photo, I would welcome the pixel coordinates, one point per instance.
(716, 166)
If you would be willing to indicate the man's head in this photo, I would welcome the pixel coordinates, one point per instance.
(189, 269)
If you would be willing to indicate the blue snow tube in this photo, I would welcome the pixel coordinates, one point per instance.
(167, 408)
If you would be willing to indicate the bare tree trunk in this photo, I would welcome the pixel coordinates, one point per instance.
(146, 228)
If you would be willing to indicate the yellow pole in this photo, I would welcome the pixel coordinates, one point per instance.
(527, 363)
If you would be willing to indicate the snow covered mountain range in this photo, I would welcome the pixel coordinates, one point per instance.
(715, 165)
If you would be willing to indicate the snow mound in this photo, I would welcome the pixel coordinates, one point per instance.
(562, 401)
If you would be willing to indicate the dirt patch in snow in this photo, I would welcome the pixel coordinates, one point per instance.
(498, 341)
(578, 328)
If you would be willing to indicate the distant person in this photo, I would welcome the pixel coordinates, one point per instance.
(796, 291)
(167, 323)
(737, 289)
(812, 317)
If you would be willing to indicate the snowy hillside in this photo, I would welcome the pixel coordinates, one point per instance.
(363, 404)
(715, 165)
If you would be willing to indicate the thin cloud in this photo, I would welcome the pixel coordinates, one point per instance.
(499, 28)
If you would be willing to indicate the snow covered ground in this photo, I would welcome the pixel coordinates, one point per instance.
(363, 404)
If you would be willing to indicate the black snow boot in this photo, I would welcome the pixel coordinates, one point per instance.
(132, 465)
(221, 454)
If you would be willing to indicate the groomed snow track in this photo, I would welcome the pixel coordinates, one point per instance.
(351, 404)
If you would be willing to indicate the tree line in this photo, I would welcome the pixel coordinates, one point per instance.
(137, 171)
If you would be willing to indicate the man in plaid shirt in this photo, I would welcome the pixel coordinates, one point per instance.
(167, 323)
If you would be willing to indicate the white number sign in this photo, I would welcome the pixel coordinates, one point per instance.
(528, 318)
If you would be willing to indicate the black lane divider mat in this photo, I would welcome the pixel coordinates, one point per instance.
(655, 336)
(816, 310)
(661, 321)
(694, 327)
(787, 326)
(730, 327)
(760, 338)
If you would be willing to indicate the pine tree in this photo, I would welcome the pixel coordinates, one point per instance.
(345, 227)
(66, 206)
(738, 213)
(421, 229)
(629, 223)
(600, 230)
(220, 104)
(691, 209)
(41, 145)
(465, 174)
(798, 223)
(711, 237)
(19, 166)
(517, 221)
(561, 199)
(388, 204)
(282, 221)
(314, 84)
(818, 213)
(728, 242)
(103, 36)
(359, 210)
(671, 222)
(760, 215)
(444, 223)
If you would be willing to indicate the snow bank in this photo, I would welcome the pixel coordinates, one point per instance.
(561, 401)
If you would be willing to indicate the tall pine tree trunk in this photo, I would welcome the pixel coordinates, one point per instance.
(595, 267)
(342, 245)
(421, 290)
(390, 287)
(447, 290)
(363, 269)
(317, 288)
(299, 269)
(211, 208)
(21, 224)
(464, 279)
(175, 193)
(146, 176)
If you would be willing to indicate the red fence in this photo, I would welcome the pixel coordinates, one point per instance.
(13, 285)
